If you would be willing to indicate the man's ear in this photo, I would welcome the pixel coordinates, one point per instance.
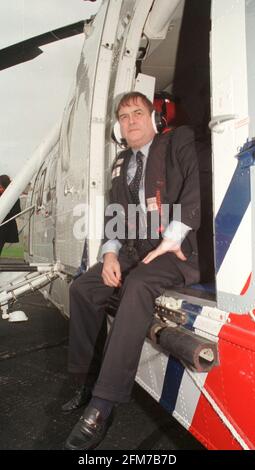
(117, 137)
(158, 122)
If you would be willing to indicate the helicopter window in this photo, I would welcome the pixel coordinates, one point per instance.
(49, 186)
(39, 200)
(65, 136)
(52, 174)
(48, 195)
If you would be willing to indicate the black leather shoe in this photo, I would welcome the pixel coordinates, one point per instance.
(81, 398)
(89, 431)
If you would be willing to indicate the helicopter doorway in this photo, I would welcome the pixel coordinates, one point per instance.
(181, 65)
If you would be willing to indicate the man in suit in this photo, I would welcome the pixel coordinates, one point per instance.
(155, 171)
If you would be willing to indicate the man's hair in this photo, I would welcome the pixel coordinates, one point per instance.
(133, 96)
(4, 181)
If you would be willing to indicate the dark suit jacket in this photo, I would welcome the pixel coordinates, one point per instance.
(181, 174)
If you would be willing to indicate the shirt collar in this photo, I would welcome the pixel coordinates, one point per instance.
(145, 149)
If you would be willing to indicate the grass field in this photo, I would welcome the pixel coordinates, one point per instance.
(14, 250)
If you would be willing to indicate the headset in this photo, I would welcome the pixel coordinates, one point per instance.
(166, 104)
(159, 123)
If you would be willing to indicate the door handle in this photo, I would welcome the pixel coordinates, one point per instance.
(216, 123)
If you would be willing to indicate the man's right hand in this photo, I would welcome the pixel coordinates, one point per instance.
(111, 273)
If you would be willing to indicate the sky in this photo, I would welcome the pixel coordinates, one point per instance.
(33, 94)
(21, 19)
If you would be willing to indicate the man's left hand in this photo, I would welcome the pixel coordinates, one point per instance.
(165, 246)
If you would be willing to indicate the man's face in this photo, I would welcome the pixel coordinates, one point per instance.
(135, 123)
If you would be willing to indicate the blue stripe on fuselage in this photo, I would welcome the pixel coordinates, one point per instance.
(231, 212)
(172, 382)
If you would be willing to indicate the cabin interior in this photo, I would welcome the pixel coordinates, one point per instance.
(180, 63)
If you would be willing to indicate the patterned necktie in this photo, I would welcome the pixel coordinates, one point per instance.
(135, 183)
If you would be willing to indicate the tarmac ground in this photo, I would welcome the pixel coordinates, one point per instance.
(35, 383)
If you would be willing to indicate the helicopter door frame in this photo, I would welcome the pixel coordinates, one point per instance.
(234, 218)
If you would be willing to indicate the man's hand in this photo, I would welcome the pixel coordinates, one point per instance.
(165, 246)
(111, 273)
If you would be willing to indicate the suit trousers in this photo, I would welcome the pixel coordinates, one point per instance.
(112, 362)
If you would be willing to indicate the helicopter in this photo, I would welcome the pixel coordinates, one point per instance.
(195, 61)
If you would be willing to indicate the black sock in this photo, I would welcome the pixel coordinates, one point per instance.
(104, 406)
